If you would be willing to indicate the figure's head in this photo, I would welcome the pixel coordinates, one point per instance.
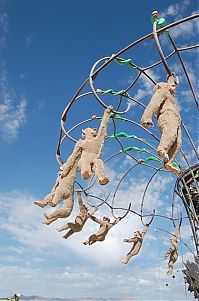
(89, 132)
(105, 218)
(171, 87)
(137, 234)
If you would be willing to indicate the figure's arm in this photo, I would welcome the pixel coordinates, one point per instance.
(145, 230)
(133, 239)
(153, 107)
(101, 134)
(116, 221)
(92, 211)
(80, 201)
(72, 159)
(97, 220)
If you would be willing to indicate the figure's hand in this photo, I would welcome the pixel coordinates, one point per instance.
(125, 240)
(78, 191)
(147, 123)
(109, 109)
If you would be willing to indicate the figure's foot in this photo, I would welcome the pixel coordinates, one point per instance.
(47, 222)
(59, 229)
(65, 236)
(170, 167)
(51, 204)
(86, 175)
(125, 261)
(46, 216)
(85, 243)
(163, 154)
(103, 181)
(40, 204)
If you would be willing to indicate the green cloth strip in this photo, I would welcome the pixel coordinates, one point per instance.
(121, 92)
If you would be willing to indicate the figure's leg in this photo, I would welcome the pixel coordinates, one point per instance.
(64, 227)
(90, 240)
(98, 168)
(132, 253)
(169, 125)
(69, 233)
(172, 154)
(60, 196)
(45, 201)
(63, 212)
(85, 167)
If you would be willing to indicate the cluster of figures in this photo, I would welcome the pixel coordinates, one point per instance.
(86, 158)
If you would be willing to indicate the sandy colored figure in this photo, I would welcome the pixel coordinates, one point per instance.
(63, 189)
(91, 146)
(172, 253)
(64, 192)
(164, 106)
(80, 219)
(64, 183)
(137, 243)
(105, 226)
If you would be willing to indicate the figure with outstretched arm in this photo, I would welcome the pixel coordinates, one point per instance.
(172, 253)
(137, 243)
(80, 219)
(105, 226)
(92, 146)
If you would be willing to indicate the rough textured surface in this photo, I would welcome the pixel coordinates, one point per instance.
(80, 219)
(64, 192)
(164, 106)
(63, 189)
(105, 226)
(137, 243)
(172, 253)
(91, 146)
(86, 157)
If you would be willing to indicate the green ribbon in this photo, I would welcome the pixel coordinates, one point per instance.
(128, 62)
(121, 92)
(122, 135)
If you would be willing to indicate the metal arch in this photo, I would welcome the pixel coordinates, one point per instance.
(123, 216)
(148, 224)
(159, 48)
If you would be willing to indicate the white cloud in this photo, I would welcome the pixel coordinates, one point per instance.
(175, 10)
(12, 109)
(146, 86)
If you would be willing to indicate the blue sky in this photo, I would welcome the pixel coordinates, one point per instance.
(47, 49)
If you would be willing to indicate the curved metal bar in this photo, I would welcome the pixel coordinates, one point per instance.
(180, 223)
(188, 47)
(160, 49)
(121, 217)
(190, 139)
(94, 74)
(148, 224)
(160, 62)
(185, 71)
(146, 188)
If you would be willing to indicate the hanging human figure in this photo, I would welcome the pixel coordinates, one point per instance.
(80, 219)
(105, 226)
(163, 104)
(91, 146)
(137, 243)
(86, 156)
(172, 253)
(63, 187)
(65, 192)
